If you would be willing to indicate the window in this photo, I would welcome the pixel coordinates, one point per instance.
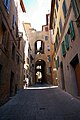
(46, 37)
(14, 21)
(66, 41)
(16, 29)
(7, 4)
(18, 43)
(63, 49)
(48, 47)
(75, 8)
(39, 47)
(48, 58)
(64, 9)
(54, 46)
(58, 37)
(57, 5)
(5, 37)
(60, 25)
(17, 59)
(71, 29)
(46, 28)
(13, 52)
(49, 69)
(57, 62)
(0, 73)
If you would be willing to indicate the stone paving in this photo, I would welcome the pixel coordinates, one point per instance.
(41, 103)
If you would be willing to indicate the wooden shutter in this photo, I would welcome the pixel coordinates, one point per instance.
(66, 42)
(63, 49)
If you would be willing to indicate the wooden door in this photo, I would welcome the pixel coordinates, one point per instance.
(77, 72)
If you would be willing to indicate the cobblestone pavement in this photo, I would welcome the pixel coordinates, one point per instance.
(49, 103)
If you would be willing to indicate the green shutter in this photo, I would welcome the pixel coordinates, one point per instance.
(71, 27)
(63, 49)
(66, 42)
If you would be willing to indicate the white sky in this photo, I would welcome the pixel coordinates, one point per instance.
(36, 11)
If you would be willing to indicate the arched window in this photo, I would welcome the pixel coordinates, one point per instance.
(39, 47)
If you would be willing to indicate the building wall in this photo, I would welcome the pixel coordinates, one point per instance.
(33, 37)
(66, 71)
(10, 55)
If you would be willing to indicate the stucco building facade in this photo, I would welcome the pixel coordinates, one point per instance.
(65, 22)
(11, 50)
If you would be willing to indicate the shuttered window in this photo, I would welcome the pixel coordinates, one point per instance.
(66, 41)
(71, 28)
(64, 8)
(63, 49)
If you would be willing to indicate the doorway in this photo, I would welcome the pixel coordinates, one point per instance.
(62, 76)
(76, 65)
(11, 84)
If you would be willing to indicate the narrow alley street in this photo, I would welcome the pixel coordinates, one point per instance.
(41, 102)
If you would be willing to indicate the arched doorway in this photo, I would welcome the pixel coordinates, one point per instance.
(40, 71)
